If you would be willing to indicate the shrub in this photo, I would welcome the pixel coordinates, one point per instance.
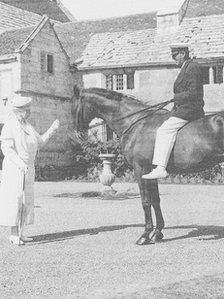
(88, 161)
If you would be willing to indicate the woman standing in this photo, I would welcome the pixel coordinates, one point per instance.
(19, 144)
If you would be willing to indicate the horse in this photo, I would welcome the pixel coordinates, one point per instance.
(199, 144)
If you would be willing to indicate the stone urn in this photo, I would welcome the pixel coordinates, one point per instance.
(106, 177)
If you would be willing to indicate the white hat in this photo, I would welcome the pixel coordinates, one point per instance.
(19, 101)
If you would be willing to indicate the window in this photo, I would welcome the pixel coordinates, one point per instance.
(46, 62)
(119, 82)
(50, 63)
(218, 74)
(205, 74)
(109, 82)
(130, 81)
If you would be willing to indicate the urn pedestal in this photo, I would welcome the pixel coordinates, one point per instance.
(106, 177)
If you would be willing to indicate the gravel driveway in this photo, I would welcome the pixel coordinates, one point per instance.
(85, 247)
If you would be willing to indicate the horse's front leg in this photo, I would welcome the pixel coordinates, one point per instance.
(146, 204)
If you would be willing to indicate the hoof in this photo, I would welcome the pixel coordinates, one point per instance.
(156, 236)
(144, 241)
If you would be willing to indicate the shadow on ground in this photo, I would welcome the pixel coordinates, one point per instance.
(97, 195)
(204, 233)
(61, 236)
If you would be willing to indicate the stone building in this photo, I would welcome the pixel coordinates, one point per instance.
(44, 57)
(138, 62)
(39, 61)
(34, 63)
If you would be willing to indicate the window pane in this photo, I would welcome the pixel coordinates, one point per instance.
(49, 63)
(119, 82)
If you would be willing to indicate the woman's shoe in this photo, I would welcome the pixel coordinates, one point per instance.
(15, 240)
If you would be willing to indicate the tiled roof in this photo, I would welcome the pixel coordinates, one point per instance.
(204, 34)
(12, 17)
(198, 8)
(40, 7)
(11, 40)
(75, 36)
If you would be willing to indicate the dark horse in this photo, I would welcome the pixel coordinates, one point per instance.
(199, 144)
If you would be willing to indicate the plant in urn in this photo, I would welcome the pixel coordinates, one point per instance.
(106, 177)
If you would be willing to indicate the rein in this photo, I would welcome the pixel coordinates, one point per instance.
(158, 107)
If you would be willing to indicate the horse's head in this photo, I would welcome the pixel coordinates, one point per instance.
(82, 112)
(108, 105)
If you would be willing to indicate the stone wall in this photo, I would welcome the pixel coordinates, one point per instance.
(51, 93)
(214, 97)
(33, 78)
(151, 85)
(44, 112)
(155, 85)
(9, 81)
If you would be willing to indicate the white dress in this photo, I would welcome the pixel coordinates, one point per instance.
(19, 144)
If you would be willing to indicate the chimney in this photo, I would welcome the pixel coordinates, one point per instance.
(169, 19)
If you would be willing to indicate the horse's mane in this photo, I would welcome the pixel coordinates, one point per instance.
(110, 94)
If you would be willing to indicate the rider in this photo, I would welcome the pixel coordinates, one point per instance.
(188, 106)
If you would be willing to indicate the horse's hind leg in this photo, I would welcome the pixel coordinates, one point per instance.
(150, 197)
(157, 235)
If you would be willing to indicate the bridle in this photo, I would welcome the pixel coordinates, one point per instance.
(155, 108)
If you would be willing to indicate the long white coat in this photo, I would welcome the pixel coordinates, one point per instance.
(19, 144)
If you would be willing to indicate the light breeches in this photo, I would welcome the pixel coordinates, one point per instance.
(165, 139)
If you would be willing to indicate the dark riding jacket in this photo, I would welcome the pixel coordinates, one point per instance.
(188, 92)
